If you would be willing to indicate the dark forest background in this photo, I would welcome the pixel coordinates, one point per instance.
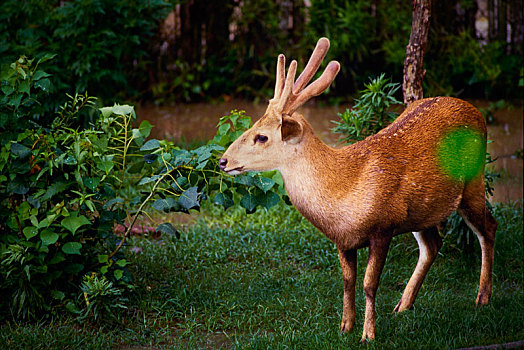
(184, 51)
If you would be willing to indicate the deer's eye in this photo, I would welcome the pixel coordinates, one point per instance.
(261, 138)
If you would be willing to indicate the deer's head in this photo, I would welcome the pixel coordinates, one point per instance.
(268, 144)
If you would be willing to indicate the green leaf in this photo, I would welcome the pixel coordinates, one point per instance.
(22, 72)
(15, 101)
(263, 183)
(146, 179)
(106, 111)
(30, 232)
(39, 75)
(269, 199)
(72, 223)
(103, 258)
(123, 110)
(180, 157)
(189, 199)
(202, 165)
(166, 205)
(221, 140)
(122, 262)
(167, 228)
(106, 165)
(224, 200)
(43, 84)
(71, 307)
(70, 160)
(24, 86)
(203, 153)
(20, 150)
(145, 129)
(224, 129)
(243, 124)
(72, 248)
(118, 274)
(7, 89)
(91, 182)
(48, 237)
(244, 179)
(46, 57)
(249, 202)
(150, 145)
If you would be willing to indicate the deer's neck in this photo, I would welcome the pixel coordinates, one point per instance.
(321, 182)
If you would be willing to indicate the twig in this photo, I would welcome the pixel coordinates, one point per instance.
(128, 231)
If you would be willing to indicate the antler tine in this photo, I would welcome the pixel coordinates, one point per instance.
(314, 89)
(312, 66)
(281, 76)
(288, 85)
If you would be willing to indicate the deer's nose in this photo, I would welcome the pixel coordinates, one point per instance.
(222, 163)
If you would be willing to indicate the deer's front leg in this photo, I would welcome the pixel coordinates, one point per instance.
(378, 249)
(348, 262)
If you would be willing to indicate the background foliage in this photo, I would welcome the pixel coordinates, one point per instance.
(101, 45)
(208, 49)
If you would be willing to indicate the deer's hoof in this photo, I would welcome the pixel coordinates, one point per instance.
(346, 326)
(482, 299)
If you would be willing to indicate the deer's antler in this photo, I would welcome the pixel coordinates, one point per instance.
(290, 95)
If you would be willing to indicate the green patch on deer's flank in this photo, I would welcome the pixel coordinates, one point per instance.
(270, 280)
(461, 153)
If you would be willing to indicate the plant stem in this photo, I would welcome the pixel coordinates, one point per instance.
(128, 231)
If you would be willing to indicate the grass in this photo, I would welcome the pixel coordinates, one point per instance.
(271, 281)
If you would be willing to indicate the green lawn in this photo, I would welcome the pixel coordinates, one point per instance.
(271, 281)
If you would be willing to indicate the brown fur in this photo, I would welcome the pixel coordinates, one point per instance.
(366, 193)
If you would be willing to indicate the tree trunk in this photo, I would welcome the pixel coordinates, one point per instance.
(414, 63)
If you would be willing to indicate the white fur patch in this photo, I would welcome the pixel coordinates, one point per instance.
(234, 172)
(423, 249)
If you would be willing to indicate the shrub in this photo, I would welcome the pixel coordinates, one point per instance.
(371, 111)
(63, 188)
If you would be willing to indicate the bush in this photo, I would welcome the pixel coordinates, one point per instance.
(63, 188)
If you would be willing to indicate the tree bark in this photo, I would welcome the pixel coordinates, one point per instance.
(414, 64)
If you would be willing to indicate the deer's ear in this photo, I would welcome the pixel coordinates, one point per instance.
(291, 130)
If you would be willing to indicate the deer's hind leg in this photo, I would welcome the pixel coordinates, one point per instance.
(429, 243)
(477, 216)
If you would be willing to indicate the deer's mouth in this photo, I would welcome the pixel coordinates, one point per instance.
(235, 171)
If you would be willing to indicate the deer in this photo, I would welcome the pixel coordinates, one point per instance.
(363, 194)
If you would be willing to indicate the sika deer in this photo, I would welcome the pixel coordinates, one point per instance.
(408, 177)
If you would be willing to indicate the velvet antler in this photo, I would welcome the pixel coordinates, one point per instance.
(290, 94)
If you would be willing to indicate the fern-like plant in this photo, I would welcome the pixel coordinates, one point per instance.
(371, 112)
